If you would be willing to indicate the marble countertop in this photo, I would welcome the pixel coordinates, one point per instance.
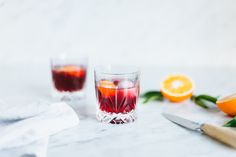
(151, 135)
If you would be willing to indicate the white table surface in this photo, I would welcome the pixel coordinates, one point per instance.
(151, 135)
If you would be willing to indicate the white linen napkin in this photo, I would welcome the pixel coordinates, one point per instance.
(35, 149)
(25, 131)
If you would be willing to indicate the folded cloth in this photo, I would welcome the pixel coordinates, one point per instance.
(17, 133)
(19, 107)
(35, 149)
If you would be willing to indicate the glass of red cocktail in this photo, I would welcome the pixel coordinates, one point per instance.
(117, 91)
(69, 76)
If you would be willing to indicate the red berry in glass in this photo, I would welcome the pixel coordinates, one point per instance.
(118, 96)
(68, 78)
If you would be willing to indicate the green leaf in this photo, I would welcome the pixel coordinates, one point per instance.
(203, 100)
(201, 103)
(231, 123)
(150, 93)
(152, 96)
(207, 98)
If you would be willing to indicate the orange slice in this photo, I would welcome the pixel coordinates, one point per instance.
(177, 87)
(107, 88)
(228, 104)
(72, 70)
(68, 68)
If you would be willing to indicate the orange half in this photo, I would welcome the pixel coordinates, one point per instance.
(228, 104)
(177, 87)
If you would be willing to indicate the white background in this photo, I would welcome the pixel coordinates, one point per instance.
(141, 32)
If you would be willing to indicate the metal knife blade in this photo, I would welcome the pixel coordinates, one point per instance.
(183, 122)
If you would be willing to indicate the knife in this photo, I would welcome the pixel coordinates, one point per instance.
(222, 134)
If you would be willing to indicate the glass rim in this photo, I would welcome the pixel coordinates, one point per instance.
(101, 69)
(64, 56)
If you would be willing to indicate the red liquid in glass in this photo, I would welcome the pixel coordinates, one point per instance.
(117, 100)
(69, 78)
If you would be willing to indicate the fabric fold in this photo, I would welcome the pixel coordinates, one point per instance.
(57, 117)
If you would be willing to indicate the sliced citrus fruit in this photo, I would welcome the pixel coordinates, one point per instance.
(228, 104)
(68, 68)
(177, 87)
(107, 88)
(72, 70)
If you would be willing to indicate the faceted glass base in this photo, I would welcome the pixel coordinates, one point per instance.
(68, 96)
(114, 118)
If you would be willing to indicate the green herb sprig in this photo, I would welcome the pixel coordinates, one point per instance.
(202, 100)
(152, 96)
(231, 123)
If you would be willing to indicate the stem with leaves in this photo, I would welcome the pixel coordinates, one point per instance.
(152, 96)
(202, 100)
(231, 123)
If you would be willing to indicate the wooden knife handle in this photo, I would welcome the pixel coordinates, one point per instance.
(222, 134)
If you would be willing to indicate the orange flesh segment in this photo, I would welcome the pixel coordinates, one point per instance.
(177, 88)
(227, 98)
(72, 70)
(107, 84)
(177, 85)
(69, 68)
(228, 105)
(107, 88)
